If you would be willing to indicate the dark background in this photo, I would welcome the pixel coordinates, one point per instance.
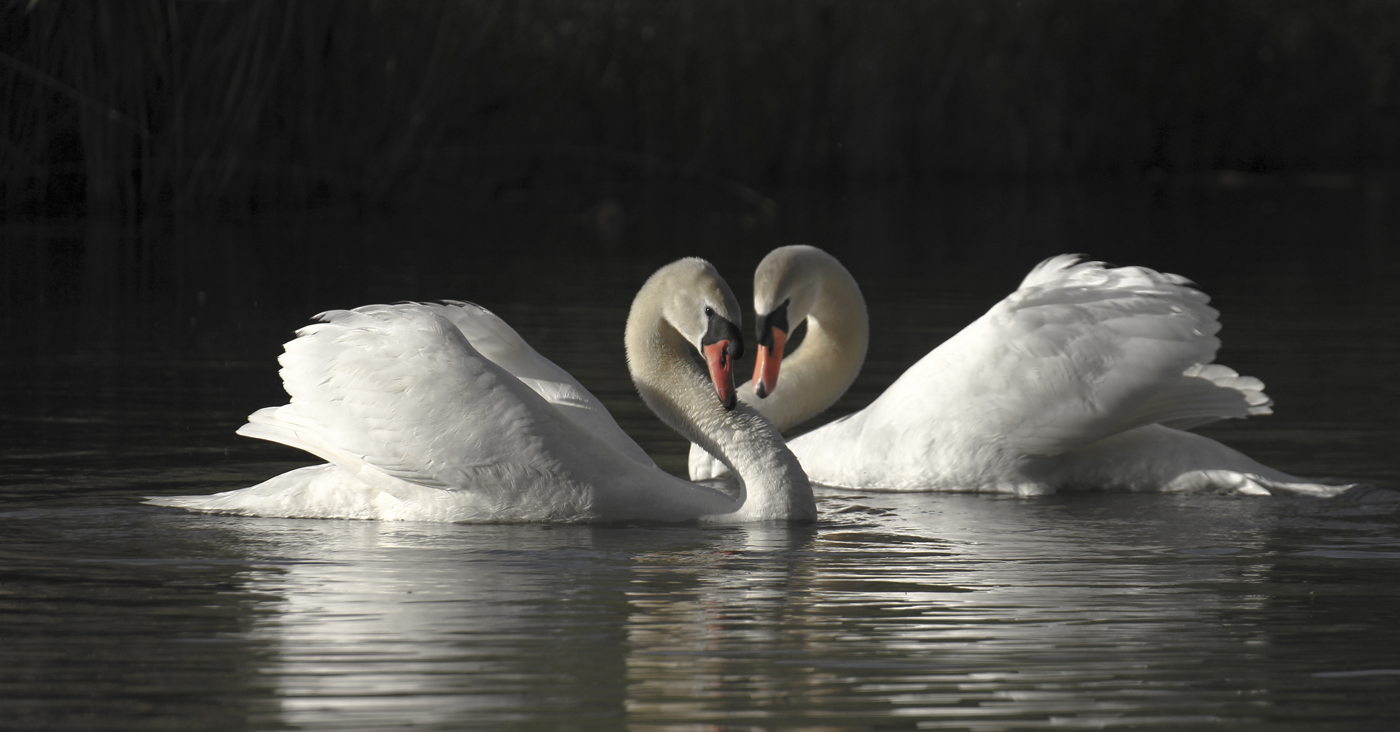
(247, 164)
(149, 107)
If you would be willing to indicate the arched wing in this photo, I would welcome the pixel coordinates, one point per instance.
(1080, 352)
(397, 393)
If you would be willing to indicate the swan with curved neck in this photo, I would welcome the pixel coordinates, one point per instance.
(792, 285)
(443, 413)
(1085, 378)
(799, 284)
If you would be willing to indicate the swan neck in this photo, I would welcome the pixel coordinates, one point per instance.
(674, 387)
(831, 354)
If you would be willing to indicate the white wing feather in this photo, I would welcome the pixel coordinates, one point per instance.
(1079, 353)
(493, 338)
(397, 394)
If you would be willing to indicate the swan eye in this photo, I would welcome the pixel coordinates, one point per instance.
(720, 329)
(778, 319)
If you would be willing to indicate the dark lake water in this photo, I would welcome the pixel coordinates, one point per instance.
(131, 356)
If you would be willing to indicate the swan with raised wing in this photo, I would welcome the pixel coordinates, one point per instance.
(1085, 378)
(444, 413)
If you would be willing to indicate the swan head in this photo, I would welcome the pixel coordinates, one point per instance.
(698, 306)
(785, 289)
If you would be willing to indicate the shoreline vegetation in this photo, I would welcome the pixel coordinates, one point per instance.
(151, 108)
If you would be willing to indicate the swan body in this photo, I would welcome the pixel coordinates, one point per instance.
(1085, 378)
(444, 413)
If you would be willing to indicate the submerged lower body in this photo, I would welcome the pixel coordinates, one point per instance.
(330, 491)
(1150, 459)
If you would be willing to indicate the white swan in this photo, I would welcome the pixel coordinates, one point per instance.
(443, 413)
(1082, 379)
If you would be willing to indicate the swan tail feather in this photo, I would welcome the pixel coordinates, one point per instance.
(1256, 485)
(1262, 481)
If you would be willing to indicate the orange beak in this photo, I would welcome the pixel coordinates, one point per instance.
(721, 371)
(765, 367)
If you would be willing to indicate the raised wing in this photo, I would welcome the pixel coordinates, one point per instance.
(397, 393)
(1080, 352)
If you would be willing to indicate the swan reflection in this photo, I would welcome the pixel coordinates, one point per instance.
(914, 605)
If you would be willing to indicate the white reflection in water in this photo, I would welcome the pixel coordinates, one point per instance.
(391, 624)
(933, 608)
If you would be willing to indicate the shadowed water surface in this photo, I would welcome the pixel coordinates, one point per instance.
(893, 612)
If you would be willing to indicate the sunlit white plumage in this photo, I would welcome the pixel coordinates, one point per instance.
(1082, 379)
(443, 413)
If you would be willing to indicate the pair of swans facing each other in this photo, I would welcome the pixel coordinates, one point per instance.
(442, 412)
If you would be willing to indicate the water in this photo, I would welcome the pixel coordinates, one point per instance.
(896, 611)
(893, 612)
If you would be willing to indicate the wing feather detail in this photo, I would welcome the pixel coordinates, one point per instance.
(397, 394)
(1082, 351)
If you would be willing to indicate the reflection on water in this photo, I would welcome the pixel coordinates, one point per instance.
(941, 610)
(896, 611)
